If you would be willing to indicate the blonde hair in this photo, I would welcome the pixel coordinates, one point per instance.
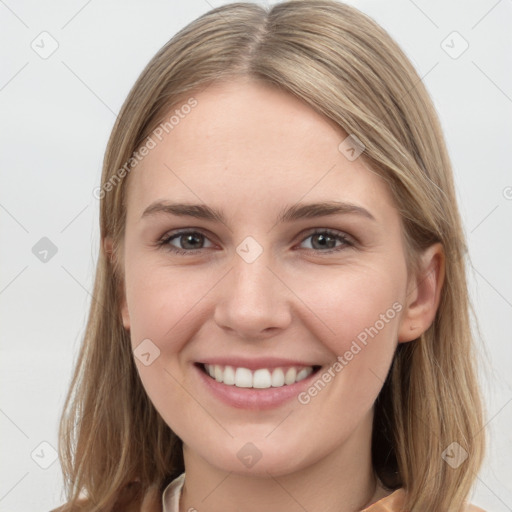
(345, 66)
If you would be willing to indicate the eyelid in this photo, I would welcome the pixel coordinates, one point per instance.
(175, 234)
(348, 240)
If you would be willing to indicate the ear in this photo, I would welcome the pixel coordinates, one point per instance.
(423, 295)
(108, 247)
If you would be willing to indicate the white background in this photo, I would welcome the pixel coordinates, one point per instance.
(56, 116)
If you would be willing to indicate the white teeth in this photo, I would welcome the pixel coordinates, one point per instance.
(277, 378)
(229, 376)
(290, 375)
(243, 377)
(302, 374)
(262, 378)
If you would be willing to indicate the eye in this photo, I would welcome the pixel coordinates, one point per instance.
(189, 242)
(325, 240)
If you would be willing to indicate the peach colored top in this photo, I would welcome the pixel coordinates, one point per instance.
(169, 500)
(391, 503)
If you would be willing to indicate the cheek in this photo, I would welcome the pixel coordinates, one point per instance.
(161, 302)
(353, 304)
(357, 316)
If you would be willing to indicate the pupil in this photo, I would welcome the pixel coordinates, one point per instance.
(323, 240)
(189, 238)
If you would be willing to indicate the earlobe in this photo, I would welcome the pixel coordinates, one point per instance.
(125, 314)
(424, 294)
(108, 248)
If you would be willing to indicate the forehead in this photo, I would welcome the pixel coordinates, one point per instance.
(248, 144)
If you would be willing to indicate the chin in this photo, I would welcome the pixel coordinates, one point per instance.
(259, 459)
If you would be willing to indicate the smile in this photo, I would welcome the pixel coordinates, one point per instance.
(262, 378)
(258, 383)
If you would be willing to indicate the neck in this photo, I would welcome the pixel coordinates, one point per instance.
(341, 481)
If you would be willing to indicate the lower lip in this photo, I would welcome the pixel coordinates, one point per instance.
(251, 398)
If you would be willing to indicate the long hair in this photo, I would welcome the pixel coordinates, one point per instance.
(346, 67)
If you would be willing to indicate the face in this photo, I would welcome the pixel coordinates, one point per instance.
(276, 290)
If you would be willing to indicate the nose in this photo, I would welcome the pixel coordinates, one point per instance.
(253, 301)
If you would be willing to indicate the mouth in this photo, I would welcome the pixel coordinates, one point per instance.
(260, 378)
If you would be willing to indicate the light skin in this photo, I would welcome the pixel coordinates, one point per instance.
(250, 150)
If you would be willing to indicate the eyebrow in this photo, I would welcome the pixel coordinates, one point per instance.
(287, 214)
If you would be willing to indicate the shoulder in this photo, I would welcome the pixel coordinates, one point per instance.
(134, 498)
(83, 505)
(473, 508)
(152, 500)
(395, 500)
(130, 499)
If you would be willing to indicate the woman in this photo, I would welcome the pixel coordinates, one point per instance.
(313, 351)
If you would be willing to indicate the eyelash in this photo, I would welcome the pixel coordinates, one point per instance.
(164, 241)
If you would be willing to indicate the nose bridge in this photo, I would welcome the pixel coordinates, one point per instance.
(253, 299)
(253, 280)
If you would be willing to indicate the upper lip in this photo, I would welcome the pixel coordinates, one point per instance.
(255, 363)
